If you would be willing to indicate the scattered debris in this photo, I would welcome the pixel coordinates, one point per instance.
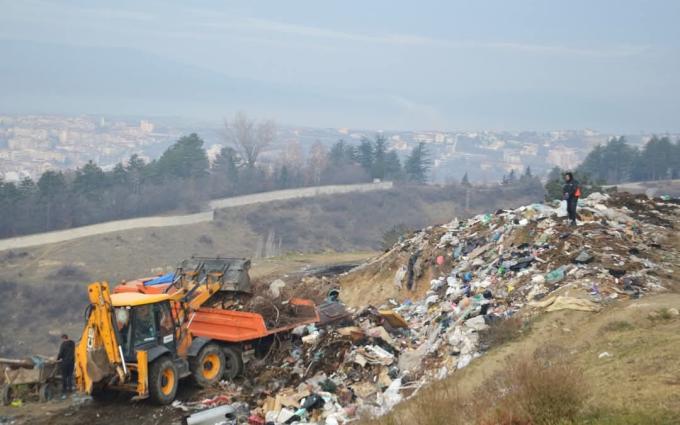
(454, 280)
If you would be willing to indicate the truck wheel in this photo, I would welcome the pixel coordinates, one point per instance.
(163, 379)
(7, 395)
(45, 393)
(233, 362)
(208, 367)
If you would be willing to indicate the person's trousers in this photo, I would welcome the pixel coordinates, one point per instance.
(66, 377)
(571, 208)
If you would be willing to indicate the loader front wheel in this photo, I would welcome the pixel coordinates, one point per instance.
(163, 381)
(208, 367)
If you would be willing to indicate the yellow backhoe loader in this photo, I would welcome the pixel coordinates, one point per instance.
(143, 339)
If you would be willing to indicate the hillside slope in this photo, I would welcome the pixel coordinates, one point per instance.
(58, 272)
(511, 317)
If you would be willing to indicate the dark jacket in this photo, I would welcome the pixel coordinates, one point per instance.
(67, 351)
(569, 189)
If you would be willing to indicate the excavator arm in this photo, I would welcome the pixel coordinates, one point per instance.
(99, 355)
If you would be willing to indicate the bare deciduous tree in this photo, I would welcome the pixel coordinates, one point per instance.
(249, 138)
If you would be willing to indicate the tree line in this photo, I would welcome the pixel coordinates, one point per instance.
(618, 162)
(183, 178)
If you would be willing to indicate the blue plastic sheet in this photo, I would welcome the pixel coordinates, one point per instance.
(166, 278)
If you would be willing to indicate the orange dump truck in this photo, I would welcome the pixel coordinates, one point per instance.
(149, 333)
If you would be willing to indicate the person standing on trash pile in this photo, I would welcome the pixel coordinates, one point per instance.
(66, 355)
(572, 191)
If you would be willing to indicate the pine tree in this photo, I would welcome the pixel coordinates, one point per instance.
(465, 181)
(90, 181)
(393, 169)
(186, 158)
(366, 155)
(417, 164)
(379, 157)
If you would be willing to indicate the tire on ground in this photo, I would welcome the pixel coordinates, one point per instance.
(163, 381)
(207, 367)
(7, 395)
(233, 362)
(45, 393)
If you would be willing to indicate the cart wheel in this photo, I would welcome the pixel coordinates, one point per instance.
(45, 393)
(7, 395)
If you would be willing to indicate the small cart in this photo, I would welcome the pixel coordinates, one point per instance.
(36, 376)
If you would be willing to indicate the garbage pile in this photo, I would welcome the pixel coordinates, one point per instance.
(471, 274)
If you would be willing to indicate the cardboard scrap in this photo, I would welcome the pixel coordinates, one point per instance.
(393, 318)
(560, 302)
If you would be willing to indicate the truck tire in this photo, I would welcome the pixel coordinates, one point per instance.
(163, 381)
(207, 367)
(45, 393)
(7, 395)
(233, 362)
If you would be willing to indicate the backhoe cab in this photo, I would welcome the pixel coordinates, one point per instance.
(137, 342)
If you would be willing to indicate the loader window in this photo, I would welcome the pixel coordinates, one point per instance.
(144, 325)
(122, 315)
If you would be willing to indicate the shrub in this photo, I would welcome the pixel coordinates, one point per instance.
(70, 272)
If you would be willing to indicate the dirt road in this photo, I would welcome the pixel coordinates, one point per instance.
(179, 220)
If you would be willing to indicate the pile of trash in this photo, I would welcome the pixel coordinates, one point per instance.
(464, 277)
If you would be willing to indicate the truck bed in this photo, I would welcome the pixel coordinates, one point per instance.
(231, 325)
(240, 326)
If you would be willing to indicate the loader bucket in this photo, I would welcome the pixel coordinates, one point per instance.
(232, 273)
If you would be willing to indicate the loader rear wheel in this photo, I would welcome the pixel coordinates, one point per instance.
(7, 395)
(233, 362)
(163, 380)
(208, 367)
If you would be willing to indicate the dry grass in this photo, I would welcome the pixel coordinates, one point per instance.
(543, 389)
(617, 326)
(539, 389)
(661, 315)
(503, 331)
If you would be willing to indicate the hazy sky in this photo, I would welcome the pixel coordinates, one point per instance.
(611, 65)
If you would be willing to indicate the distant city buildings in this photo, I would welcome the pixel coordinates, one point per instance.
(33, 144)
(30, 145)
